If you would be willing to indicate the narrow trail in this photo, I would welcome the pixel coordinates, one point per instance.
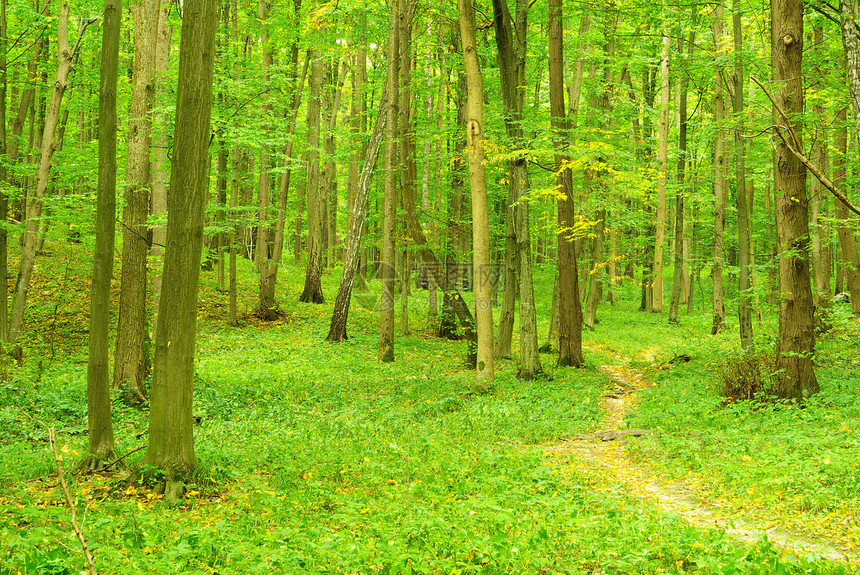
(604, 450)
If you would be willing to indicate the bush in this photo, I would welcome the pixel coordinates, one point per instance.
(751, 375)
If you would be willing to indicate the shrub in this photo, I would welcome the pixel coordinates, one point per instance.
(751, 375)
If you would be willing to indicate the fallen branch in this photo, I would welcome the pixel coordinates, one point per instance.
(118, 459)
(795, 147)
(52, 437)
(615, 434)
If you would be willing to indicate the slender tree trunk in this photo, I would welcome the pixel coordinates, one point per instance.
(101, 446)
(131, 353)
(796, 377)
(337, 328)
(171, 439)
(744, 205)
(848, 13)
(312, 292)
(159, 170)
(478, 181)
(570, 307)
(389, 210)
(266, 308)
(680, 239)
(847, 240)
(819, 232)
(662, 168)
(720, 180)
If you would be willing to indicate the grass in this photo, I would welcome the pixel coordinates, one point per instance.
(315, 458)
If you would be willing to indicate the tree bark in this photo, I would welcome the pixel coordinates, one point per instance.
(851, 44)
(389, 210)
(796, 377)
(570, 307)
(312, 292)
(484, 372)
(819, 232)
(337, 328)
(130, 356)
(159, 170)
(662, 168)
(744, 206)
(266, 309)
(171, 439)
(101, 445)
(720, 180)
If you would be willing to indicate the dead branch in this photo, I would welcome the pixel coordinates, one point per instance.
(793, 143)
(118, 459)
(52, 437)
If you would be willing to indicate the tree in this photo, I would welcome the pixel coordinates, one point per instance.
(171, 439)
(721, 184)
(101, 446)
(570, 307)
(389, 206)
(312, 292)
(662, 167)
(478, 181)
(796, 332)
(130, 355)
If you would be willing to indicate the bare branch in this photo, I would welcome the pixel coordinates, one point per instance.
(793, 143)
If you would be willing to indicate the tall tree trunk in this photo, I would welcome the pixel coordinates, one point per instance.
(312, 292)
(570, 307)
(171, 438)
(662, 168)
(742, 198)
(721, 184)
(819, 232)
(101, 445)
(389, 209)
(847, 240)
(484, 372)
(65, 58)
(159, 169)
(337, 328)
(848, 13)
(408, 167)
(266, 309)
(130, 355)
(680, 239)
(796, 331)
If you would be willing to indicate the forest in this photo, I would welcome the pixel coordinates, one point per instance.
(476, 287)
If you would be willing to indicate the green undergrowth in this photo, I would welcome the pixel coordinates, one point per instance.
(313, 458)
(795, 464)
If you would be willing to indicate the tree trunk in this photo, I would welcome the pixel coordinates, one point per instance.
(662, 167)
(680, 240)
(721, 184)
(171, 439)
(796, 331)
(744, 206)
(337, 328)
(485, 372)
(570, 307)
(266, 309)
(101, 446)
(131, 353)
(159, 168)
(847, 240)
(851, 43)
(819, 232)
(312, 292)
(389, 210)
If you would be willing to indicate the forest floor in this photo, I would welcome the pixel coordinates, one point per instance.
(315, 458)
(602, 455)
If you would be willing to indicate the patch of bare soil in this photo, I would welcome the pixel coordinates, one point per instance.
(601, 456)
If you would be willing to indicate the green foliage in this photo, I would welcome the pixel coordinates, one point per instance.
(748, 375)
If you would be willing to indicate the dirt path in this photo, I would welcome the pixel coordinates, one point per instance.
(603, 454)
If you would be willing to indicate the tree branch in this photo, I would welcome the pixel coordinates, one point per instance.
(52, 437)
(793, 143)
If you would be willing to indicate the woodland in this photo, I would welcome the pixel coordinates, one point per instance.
(360, 287)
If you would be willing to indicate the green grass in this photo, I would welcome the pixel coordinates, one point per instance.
(316, 458)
